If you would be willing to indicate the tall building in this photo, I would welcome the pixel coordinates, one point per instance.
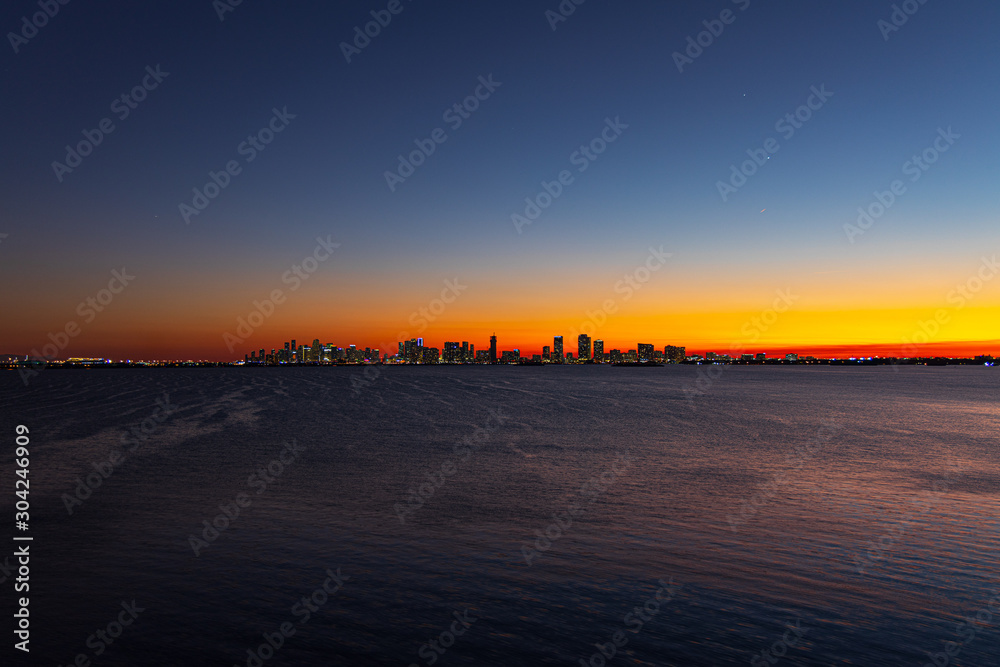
(411, 351)
(583, 347)
(598, 351)
(546, 353)
(493, 349)
(557, 350)
(645, 351)
(452, 353)
(674, 355)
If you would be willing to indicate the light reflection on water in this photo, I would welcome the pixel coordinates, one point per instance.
(793, 555)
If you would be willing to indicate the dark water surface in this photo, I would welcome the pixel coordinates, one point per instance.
(860, 506)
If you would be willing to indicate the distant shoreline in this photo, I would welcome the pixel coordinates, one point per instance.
(882, 361)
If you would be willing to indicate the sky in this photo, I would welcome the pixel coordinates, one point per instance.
(627, 134)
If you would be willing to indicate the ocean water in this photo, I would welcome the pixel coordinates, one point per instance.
(511, 516)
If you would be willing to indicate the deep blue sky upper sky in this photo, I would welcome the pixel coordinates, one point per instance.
(324, 174)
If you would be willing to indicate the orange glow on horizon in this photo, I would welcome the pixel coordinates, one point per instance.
(824, 316)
